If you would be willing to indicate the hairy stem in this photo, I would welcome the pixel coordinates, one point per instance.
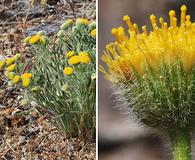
(181, 144)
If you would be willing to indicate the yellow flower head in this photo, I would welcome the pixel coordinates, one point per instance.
(8, 74)
(93, 33)
(10, 61)
(11, 67)
(68, 71)
(84, 57)
(82, 21)
(70, 54)
(74, 60)
(34, 39)
(25, 82)
(26, 75)
(16, 79)
(2, 63)
(138, 49)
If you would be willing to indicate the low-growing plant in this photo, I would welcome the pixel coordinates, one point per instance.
(13, 71)
(62, 84)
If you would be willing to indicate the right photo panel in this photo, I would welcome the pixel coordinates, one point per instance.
(146, 107)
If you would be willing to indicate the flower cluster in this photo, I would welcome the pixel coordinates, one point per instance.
(64, 78)
(142, 49)
(9, 67)
(39, 38)
(70, 24)
(82, 57)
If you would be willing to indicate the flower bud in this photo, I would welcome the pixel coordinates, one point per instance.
(61, 34)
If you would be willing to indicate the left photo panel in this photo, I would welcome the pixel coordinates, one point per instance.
(48, 79)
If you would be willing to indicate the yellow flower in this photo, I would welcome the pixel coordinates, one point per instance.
(93, 33)
(2, 63)
(68, 71)
(74, 60)
(8, 74)
(82, 21)
(16, 79)
(25, 82)
(34, 39)
(84, 57)
(26, 75)
(70, 54)
(164, 45)
(11, 67)
(10, 61)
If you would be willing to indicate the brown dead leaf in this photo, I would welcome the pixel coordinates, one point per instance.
(8, 111)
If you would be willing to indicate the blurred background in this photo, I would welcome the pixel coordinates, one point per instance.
(120, 136)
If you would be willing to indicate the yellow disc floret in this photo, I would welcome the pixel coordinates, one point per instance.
(164, 45)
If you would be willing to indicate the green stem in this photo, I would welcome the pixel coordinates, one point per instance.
(181, 144)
